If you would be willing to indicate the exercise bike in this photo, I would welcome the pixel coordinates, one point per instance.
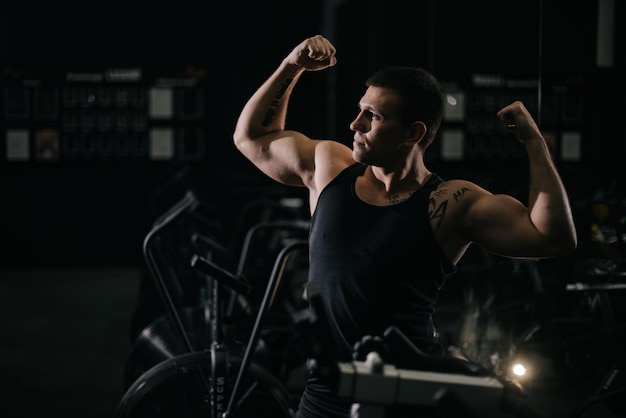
(390, 375)
(219, 380)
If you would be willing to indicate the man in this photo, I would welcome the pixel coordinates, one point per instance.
(386, 232)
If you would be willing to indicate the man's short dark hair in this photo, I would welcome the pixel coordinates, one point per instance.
(420, 92)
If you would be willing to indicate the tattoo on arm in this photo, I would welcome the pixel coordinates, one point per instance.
(269, 116)
(271, 112)
(437, 212)
(460, 193)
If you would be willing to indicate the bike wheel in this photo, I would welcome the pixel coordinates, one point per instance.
(175, 387)
(158, 342)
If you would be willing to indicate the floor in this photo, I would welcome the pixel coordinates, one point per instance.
(64, 341)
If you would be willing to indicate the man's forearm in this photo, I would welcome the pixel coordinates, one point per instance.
(267, 108)
(548, 201)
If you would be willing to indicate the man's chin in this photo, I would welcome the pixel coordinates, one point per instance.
(357, 156)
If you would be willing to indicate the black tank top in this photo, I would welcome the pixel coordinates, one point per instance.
(376, 266)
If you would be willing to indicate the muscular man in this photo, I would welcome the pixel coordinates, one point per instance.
(386, 232)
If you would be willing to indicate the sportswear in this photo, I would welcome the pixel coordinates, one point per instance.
(373, 267)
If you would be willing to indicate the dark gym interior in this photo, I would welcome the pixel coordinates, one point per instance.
(117, 166)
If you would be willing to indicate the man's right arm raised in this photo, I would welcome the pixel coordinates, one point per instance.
(260, 135)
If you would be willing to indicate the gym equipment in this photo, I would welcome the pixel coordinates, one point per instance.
(206, 380)
(159, 340)
(390, 370)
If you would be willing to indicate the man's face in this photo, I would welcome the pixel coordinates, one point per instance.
(379, 131)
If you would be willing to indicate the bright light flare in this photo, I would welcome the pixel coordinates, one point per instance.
(519, 369)
(451, 100)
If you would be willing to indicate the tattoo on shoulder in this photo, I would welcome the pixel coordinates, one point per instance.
(271, 112)
(460, 193)
(440, 192)
(437, 212)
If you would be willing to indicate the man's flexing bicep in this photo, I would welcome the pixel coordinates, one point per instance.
(502, 225)
(285, 156)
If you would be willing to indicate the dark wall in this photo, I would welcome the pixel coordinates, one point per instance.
(88, 208)
(549, 42)
(97, 211)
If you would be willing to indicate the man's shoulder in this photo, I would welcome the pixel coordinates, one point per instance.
(456, 194)
(454, 187)
(450, 204)
(331, 158)
(332, 149)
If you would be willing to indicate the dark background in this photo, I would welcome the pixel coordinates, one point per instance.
(72, 271)
(94, 211)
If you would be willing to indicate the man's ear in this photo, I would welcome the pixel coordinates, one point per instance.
(416, 132)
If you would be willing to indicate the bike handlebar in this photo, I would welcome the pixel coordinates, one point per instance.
(237, 283)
